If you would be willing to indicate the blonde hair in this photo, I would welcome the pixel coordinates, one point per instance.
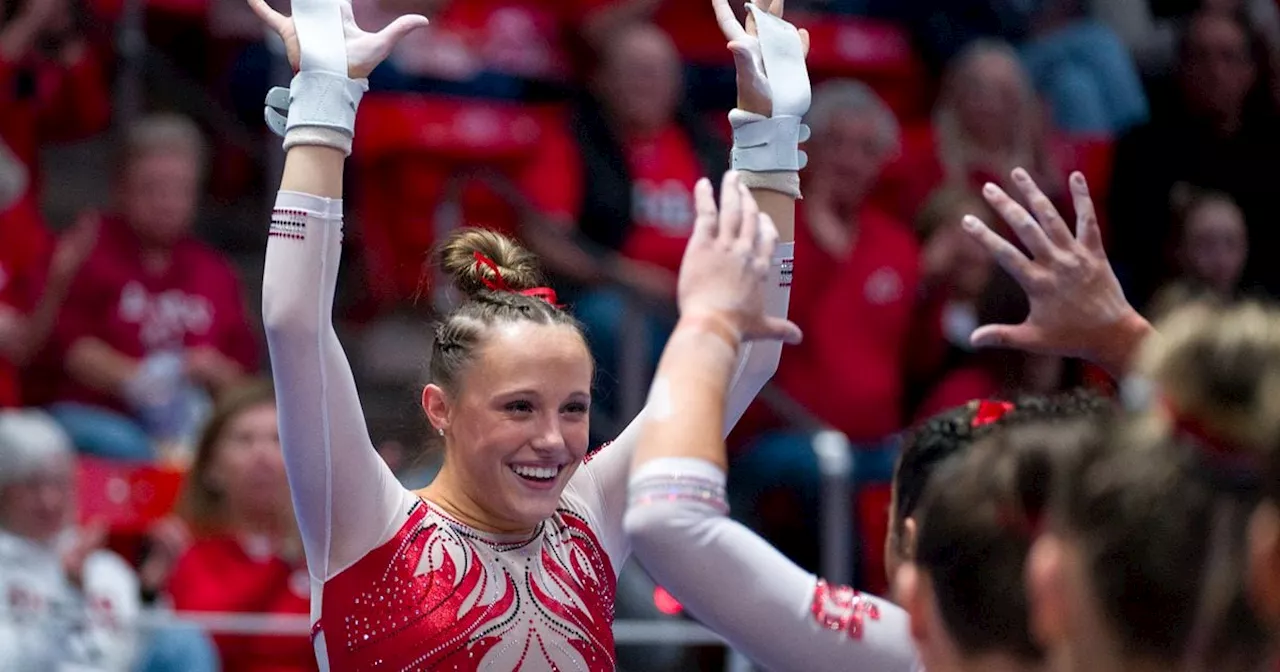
(954, 150)
(1220, 365)
(1161, 502)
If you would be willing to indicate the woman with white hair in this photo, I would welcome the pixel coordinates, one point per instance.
(65, 603)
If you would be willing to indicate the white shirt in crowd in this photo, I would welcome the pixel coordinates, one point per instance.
(47, 623)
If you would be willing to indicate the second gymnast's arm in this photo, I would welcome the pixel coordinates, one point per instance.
(729, 578)
(602, 483)
(346, 499)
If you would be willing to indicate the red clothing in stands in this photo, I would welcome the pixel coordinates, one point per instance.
(532, 39)
(25, 247)
(43, 101)
(224, 574)
(663, 169)
(856, 315)
(195, 302)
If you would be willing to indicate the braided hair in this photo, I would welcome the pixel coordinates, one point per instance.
(499, 281)
(953, 431)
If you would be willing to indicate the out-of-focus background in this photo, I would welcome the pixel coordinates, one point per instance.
(136, 177)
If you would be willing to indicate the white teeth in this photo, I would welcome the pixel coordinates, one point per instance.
(540, 473)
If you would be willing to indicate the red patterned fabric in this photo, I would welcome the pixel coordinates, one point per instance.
(441, 596)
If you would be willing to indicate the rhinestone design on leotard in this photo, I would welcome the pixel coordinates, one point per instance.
(842, 609)
(442, 596)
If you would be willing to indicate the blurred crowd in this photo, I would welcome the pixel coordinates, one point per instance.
(135, 417)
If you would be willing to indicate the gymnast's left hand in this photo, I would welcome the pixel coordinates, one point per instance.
(754, 92)
(727, 262)
(365, 50)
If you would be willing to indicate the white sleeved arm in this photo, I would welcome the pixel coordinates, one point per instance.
(739, 586)
(345, 497)
(601, 484)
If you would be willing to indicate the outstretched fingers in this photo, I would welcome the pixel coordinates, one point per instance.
(730, 208)
(1054, 226)
(1010, 258)
(728, 21)
(1023, 224)
(748, 234)
(705, 225)
(277, 21)
(1087, 230)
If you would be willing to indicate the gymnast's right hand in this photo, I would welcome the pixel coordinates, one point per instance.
(726, 264)
(365, 50)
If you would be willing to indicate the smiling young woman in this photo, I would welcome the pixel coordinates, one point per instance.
(509, 558)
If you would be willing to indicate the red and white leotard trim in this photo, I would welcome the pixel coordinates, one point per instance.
(396, 584)
(441, 596)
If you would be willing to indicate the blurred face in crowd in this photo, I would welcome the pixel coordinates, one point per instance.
(39, 506)
(639, 81)
(1215, 245)
(247, 469)
(990, 99)
(848, 153)
(159, 193)
(1217, 66)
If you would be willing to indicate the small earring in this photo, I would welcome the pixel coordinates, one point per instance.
(440, 431)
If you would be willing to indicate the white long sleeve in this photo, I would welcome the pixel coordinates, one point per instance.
(346, 499)
(739, 586)
(601, 484)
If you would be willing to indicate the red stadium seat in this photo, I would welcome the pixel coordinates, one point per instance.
(409, 148)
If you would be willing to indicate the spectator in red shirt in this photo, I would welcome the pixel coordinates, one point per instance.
(854, 291)
(154, 317)
(627, 181)
(247, 555)
(987, 122)
(28, 310)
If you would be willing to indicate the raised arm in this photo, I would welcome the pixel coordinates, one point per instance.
(346, 499)
(785, 618)
(767, 133)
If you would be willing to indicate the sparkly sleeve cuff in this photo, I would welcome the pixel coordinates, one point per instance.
(680, 480)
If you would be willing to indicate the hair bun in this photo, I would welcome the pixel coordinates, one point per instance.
(517, 266)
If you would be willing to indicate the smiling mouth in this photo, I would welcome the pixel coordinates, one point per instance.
(536, 474)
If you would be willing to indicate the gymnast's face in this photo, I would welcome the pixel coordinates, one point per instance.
(516, 427)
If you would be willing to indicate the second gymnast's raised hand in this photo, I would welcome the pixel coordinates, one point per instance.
(1077, 306)
(725, 265)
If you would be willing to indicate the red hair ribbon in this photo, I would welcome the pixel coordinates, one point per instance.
(499, 284)
(990, 411)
